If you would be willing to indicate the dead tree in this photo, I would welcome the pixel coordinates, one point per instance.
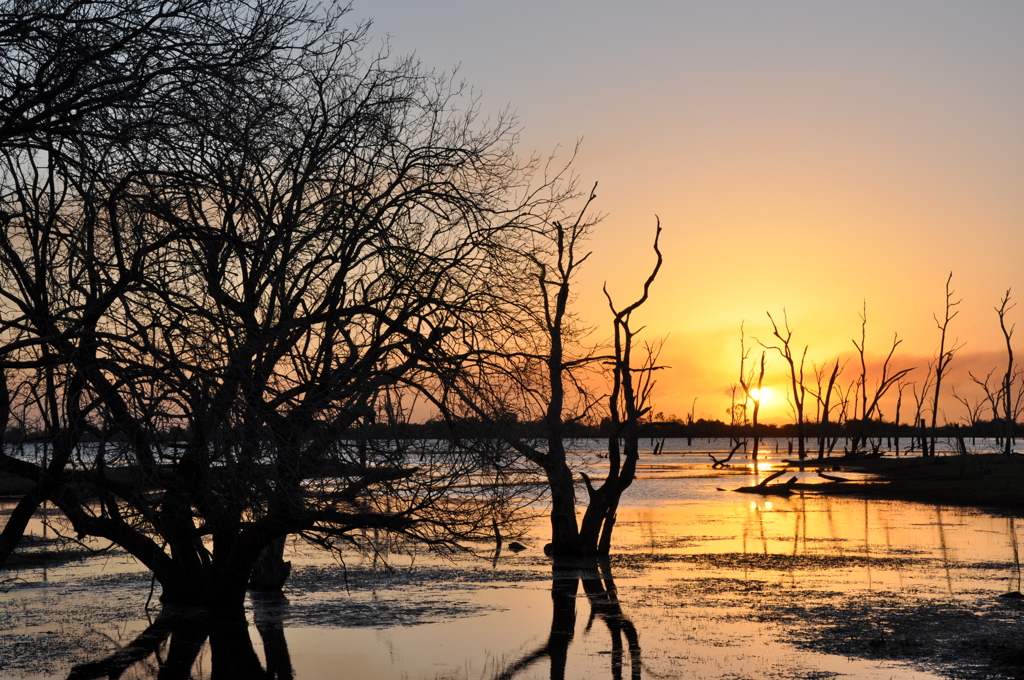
(919, 403)
(752, 392)
(885, 381)
(1010, 409)
(737, 423)
(972, 411)
(538, 372)
(824, 402)
(1001, 397)
(628, 403)
(846, 398)
(900, 386)
(798, 389)
(943, 358)
(689, 422)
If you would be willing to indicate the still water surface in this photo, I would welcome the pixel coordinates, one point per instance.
(705, 584)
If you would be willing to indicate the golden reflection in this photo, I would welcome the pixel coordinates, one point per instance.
(944, 547)
(1014, 546)
(577, 622)
(849, 542)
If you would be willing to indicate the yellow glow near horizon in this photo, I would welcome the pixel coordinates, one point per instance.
(814, 135)
(764, 395)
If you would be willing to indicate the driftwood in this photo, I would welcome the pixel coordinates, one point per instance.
(763, 489)
(832, 478)
(719, 463)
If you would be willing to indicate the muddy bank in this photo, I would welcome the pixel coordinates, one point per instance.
(988, 481)
(971, 636)
(717, 586)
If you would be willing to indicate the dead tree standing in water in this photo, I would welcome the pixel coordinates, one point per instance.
(942, 359)
(752, 392)
(868, 409)
(628, 403)
(824, 397)
(1011, 406)
(796, 376)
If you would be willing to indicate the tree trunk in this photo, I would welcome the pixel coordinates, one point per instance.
(565, 534)
(17, 522)
(270, 571)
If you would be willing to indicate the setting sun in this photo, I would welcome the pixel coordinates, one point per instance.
(763, 395)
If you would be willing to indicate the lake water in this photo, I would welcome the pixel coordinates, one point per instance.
(704, 583)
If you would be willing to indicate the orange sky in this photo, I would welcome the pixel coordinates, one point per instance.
(801, 155)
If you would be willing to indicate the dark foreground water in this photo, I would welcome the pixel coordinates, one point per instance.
(704, 584)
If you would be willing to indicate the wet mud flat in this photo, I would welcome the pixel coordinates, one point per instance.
(974, 634)
(704, 584)
(682, 605)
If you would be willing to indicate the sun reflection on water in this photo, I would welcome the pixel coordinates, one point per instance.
(707, 577)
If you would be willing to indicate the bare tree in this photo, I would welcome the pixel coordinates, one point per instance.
(628, 403)
(1001, 396)
(901, 385)
(539, 371)
(825, 406)
(737, 424)
(219, 292)
(847, 398)
(993, 394)
(70, 69)
(543, 375)
(885, 381)
(689, 422)
(919, 403)
(1009, 414)
(752, 392)
(973, 410)
(798, 389)
(943, 357)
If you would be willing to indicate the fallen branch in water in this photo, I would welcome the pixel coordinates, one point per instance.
(719, 463)
(763, 489)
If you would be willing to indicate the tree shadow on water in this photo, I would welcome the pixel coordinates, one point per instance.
(602, 595)
(171, 645)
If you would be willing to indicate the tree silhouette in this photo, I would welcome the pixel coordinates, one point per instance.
(222, 284)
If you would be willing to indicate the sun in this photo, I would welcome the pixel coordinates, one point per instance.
(764, 395)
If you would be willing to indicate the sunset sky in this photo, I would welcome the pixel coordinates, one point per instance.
(804, 156)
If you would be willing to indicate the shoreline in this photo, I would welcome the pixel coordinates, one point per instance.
(985, 481)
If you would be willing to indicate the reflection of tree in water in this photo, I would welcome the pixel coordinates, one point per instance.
(604, 605)
(173, 642)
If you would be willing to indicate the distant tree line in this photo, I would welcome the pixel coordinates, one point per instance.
(702, 428)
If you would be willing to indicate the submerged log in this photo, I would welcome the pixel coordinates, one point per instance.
(764, 489)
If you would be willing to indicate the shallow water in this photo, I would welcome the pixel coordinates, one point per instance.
(704, 584)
